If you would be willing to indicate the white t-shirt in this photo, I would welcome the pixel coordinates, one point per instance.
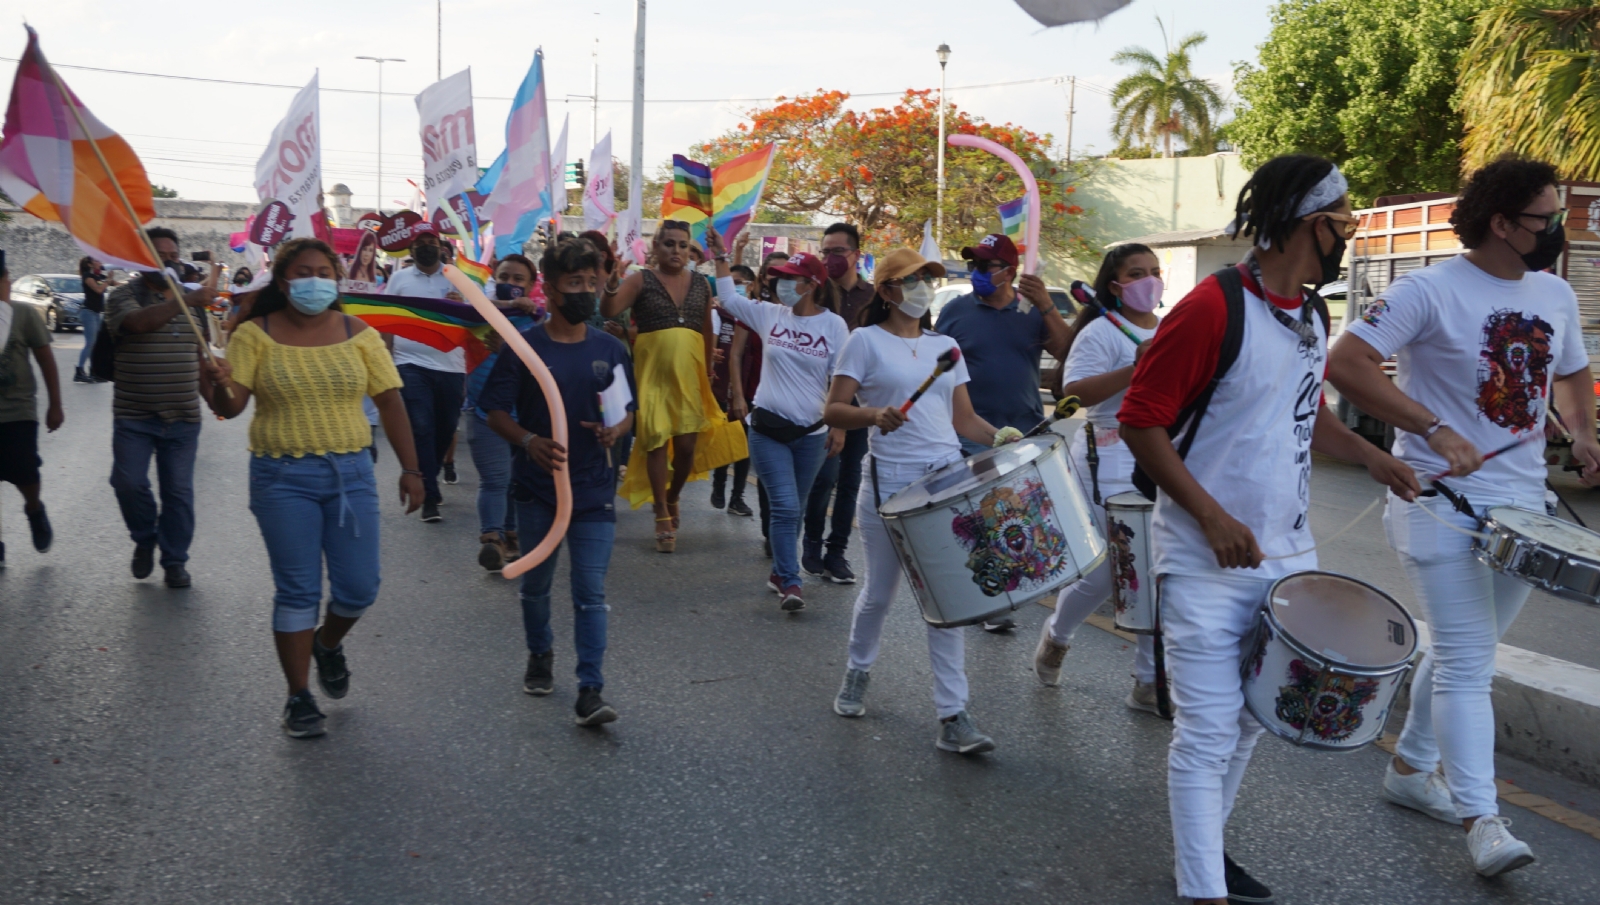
(1480, 352)
(889, 372)
(797, 357)
(416, 284)
(1100, 348)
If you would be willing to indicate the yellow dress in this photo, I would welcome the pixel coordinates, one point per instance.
(675, 398)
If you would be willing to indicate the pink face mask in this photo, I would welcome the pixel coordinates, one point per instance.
(1142, 295)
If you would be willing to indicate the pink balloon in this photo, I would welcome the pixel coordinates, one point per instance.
(1031, 260)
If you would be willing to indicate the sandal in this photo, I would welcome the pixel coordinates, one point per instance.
(666, 541)
(672, 509)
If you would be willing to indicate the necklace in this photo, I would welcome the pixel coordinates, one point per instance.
(1301, 327)
(913, 346)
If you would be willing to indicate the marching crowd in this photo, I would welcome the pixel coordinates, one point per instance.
(797, 371)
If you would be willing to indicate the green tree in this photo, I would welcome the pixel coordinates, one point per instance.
(1530, 84)
(1164, 99)
(161, 191)
(1369, 84)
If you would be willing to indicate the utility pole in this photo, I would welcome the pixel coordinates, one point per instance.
(594, 99)
(938, 227)
(438, 53)
(636, 171)
(1072, 107)
(380, 61)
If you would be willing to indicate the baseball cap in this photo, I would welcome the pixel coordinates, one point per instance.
(904, 261)
(994, 247)
(803, 264)
(424, 228)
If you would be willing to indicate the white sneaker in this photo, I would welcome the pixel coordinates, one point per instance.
(1425, 792)
(1494, 850)
(1047, 657)
(1143, 698)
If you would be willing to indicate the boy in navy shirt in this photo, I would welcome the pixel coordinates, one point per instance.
(585, 362)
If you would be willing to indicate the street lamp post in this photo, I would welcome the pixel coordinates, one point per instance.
(380, 61)
(938, 229)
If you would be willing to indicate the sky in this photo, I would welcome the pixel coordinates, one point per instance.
(203, 139)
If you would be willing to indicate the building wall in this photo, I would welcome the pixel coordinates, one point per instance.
(34, 246)
(1140, 197)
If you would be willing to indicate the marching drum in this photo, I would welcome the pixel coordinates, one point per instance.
(1548, 553)
(990, 533)
(1133, 584)
(1326, 658)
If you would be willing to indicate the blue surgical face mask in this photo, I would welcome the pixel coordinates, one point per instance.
(789, 294)
(312, 295)
(981, 284)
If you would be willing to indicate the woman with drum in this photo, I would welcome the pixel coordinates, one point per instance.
(883, 363)
(1098, 368)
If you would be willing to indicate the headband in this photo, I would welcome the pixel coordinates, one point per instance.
(1324, 193)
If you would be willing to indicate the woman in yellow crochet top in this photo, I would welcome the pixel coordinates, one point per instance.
(312, 488)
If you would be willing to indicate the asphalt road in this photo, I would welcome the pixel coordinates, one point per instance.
(141, 760)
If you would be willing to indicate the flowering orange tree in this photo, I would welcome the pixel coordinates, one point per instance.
(878, 169)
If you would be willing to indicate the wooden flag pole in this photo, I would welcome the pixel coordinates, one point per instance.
(172, 284)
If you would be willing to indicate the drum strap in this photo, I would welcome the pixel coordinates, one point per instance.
(1575, 516)
(877, 497)
(1457, 500)
(1092, 454)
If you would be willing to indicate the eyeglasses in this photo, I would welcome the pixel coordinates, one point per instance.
(910, 279)
(836, 252)
(990, 266)
(1552, 222)
(1347, 222)
(675, 224)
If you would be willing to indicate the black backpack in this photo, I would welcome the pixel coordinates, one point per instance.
(1189, 417)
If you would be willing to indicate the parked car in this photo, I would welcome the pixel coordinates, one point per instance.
(57, 296)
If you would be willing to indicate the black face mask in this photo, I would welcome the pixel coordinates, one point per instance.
(425, 255)
(507, 292)
(1331, 261)
(577, 307)
(1546, 249)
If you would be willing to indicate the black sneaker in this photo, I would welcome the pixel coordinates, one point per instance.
(592, 710)
(78, 376)
(448, 470)
(719, 495)
(1000, 626)
(836, 568)
(177, 577)
(2, 555)
(430, 512)
(332, 674)
(736, 506)
(766, 546)
(811, 558)
(144, 560)
(301, 718)
(538, 679)
(39, 522)
(1241, 886)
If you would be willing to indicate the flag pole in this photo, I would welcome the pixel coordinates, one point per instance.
(177, 291)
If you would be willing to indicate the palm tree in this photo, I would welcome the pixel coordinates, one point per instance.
(1530, 84)
(1163, 98)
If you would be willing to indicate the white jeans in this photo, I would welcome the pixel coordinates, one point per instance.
(1204, 620)
(1077, 600)
(1468, 607)
(879, 582)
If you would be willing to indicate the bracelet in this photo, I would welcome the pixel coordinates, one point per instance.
(526, 438)
(1433, 427)
(406, 471)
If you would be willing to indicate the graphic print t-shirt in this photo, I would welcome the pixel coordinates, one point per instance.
(1480, 352)
(798, 356)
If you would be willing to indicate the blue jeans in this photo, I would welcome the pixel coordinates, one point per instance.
(841, 473)
(589, 556)
(433, 404)
(173, 443)
(491, 456)
(313, 508)
(787, 471)
(91, 329)
(970, 449)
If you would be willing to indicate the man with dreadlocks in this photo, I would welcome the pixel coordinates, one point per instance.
(1235, 374)
(1484, 340)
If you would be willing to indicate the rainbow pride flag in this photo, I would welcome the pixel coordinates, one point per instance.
(696, 218)
(736, 190)
(691, 184)
(477, 273)
(1014, 222)
(439, 323)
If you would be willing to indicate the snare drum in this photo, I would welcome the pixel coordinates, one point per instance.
(1133, 583)
(990, 533)
(1326, 658)
(1546, 552)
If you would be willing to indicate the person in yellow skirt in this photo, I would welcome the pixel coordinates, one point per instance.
(680, 433)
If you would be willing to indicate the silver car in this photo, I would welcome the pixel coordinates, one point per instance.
(56, 296)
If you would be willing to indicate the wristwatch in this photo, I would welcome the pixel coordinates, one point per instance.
(723, 257)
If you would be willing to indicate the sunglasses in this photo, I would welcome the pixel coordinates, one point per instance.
(910, 279)
(675, 224)
(1342, 223)
(1552, 222)
(990, 266)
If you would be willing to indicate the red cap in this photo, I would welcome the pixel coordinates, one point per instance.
(994, 247)
(802, 265)
(426, 228)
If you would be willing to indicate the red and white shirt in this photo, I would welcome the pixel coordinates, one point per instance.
(1252, 452)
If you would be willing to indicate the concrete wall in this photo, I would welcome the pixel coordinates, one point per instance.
(34, 246)
(1140, 197)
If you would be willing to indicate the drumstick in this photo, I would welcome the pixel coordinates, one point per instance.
(1085, 295)
(947, 360)
(1504, 449)
(1066, 407)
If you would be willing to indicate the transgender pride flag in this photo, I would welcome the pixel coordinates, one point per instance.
(521, 196)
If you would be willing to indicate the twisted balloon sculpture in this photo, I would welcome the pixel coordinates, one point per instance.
(1031, 259)
(552, 397)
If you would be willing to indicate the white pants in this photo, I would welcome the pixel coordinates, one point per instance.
(881, 579)
(1077, 600)
(1204, 620)
(1468, 607)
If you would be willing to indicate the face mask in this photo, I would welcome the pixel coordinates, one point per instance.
(918, 298)
(838, 266)
(1330, 262)
(312, 295)
(789, 293)
(425, 255)
(741, 291)
(1142, 295)
(982, 284)
(506, 292)
(577, 307)
(1546, 249)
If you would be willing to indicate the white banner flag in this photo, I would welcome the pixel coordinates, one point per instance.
(630, 236)
(290, 170)
(449, 145)
(558, 175)
(599, 206)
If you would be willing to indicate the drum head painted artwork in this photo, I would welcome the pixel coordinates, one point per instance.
(1549, 531)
